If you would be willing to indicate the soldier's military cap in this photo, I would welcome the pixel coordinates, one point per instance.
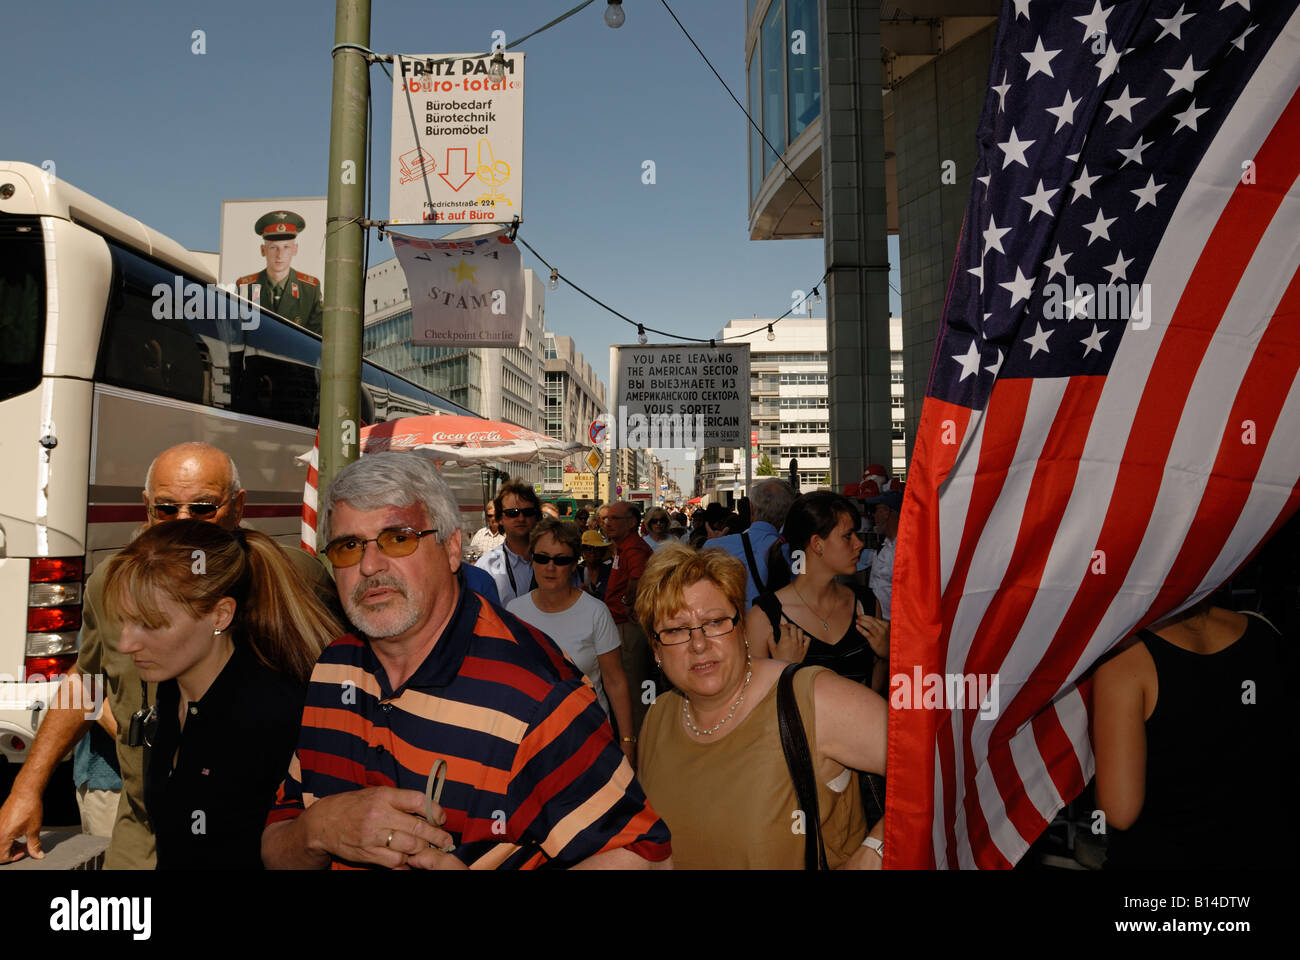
(279, 225)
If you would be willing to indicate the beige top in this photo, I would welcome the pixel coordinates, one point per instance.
(731, 804)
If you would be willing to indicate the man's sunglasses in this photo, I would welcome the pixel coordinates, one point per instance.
(170, 510)
(659, 520)
(561, 561)
(513, 512)
(398, 542)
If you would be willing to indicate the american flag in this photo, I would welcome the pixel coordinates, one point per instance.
(1110, 427)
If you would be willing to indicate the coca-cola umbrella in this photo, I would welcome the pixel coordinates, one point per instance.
(444, 438)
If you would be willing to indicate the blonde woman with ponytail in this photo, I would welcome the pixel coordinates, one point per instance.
(230, 630)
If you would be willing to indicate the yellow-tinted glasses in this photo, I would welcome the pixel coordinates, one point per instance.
(397, 542)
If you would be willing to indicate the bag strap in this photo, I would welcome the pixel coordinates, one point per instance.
(753, 564)
(798, 758)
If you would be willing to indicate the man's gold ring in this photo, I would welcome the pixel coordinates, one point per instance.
(389, 841)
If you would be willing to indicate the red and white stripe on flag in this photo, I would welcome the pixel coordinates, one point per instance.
(1039, 531)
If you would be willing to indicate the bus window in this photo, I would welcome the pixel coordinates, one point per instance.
(160, 355)
(22, 304)
(280, 378)
(406, 399)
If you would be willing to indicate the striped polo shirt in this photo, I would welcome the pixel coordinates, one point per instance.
(534, 777)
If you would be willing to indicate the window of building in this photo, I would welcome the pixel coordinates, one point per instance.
(803, 403)
(804, 74)
(773, 42)
(801, 378)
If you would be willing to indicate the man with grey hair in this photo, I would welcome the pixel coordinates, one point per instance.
(436, 678)
(191, 479)
(769, 503)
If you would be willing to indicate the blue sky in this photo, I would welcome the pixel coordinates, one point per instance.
(114, 96)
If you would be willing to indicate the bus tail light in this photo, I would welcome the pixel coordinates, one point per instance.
(49, 668)
(54, 597)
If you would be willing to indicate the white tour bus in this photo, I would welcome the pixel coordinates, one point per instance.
(94, 384)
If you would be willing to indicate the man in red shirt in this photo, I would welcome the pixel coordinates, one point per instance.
(631, 552)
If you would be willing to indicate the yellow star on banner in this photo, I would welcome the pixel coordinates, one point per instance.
(464, 271)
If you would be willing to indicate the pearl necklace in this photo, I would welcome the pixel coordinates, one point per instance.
(686, 709)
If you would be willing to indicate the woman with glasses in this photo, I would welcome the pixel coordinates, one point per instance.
(712, 762)
(579, 624)
(229, 630)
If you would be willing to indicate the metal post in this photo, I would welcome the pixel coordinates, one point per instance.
(340, 390)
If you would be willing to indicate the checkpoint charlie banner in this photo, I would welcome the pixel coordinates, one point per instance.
(466, 293)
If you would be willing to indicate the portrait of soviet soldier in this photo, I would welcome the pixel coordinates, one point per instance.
(292, 294)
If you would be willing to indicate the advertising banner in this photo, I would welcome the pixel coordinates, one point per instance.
(466, 293)
(457, 140)
(275, 250)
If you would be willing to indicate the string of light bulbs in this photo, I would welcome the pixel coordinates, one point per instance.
(553, 283)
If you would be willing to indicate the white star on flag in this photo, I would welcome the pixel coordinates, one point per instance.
(1099, 228)
(1001, 90)
(1078, 303)
(1057, 263)
(1188, 117)
(1038, 201)
(993, 237)
(1133, 153)
(1013, 150)
(1093, 341)
(1148, 193)
(1119, 269)
(1038, 341)
(1095, 22)
(1065, 112)
(1244, 4)
(1040, 60)
(1240, 40)
(1082, 185)
(970, 361)
(1108, 64)
(1122, 106)
(1020, 287)
(1184, 77)
(979, 272)
(1173, 26)
(996, 365)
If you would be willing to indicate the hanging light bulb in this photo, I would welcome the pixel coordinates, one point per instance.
(497, 67)
(640, 334)
(555, 279)
(817, 295)
(614, 15)
(771, 335)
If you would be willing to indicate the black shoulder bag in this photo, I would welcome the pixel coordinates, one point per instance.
(794, 744)
(753, 564)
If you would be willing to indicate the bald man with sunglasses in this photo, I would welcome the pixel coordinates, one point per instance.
(188, 480)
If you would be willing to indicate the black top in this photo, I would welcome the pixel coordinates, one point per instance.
(852, 657)
(208, 812)
(1220, 758)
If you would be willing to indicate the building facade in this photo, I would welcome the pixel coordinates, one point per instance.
(933, 58)
(572, 397)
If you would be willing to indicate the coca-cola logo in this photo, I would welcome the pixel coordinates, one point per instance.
(404, 441)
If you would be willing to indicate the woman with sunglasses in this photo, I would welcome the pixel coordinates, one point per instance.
(229, 630)
(579, 624)
(656, 524)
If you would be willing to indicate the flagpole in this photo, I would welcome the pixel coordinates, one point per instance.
(340, 391)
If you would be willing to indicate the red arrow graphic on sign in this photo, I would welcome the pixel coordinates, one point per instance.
(464, 162)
